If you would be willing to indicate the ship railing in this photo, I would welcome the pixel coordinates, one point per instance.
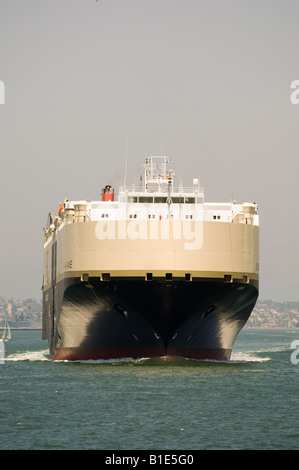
(174, 190)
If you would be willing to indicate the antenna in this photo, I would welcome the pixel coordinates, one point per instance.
(126, 165)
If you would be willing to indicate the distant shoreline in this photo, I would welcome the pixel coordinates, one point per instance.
(293, 328)
(22, 328)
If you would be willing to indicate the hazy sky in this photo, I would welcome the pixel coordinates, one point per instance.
(206, 81)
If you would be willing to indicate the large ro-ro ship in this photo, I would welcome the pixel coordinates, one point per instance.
(158, 272)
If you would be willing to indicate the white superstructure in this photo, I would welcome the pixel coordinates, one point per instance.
(155, 228)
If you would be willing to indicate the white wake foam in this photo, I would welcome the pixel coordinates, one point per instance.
(240, 356)
(29, 356)
(43, 355)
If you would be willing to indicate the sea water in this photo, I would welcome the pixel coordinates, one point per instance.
(250, 402)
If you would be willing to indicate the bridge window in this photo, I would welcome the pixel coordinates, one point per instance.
(189, 200)
(132, 198)
(144, 199)
(160, 199)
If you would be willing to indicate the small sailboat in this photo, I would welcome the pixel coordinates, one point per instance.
(6, 335)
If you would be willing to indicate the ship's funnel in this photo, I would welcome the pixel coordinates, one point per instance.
(108, 193)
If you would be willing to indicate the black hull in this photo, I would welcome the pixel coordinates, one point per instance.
(133, 318)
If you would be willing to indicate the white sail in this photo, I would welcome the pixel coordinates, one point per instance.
(6, 335)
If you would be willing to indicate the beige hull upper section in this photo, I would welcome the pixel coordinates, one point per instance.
(203, 249)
